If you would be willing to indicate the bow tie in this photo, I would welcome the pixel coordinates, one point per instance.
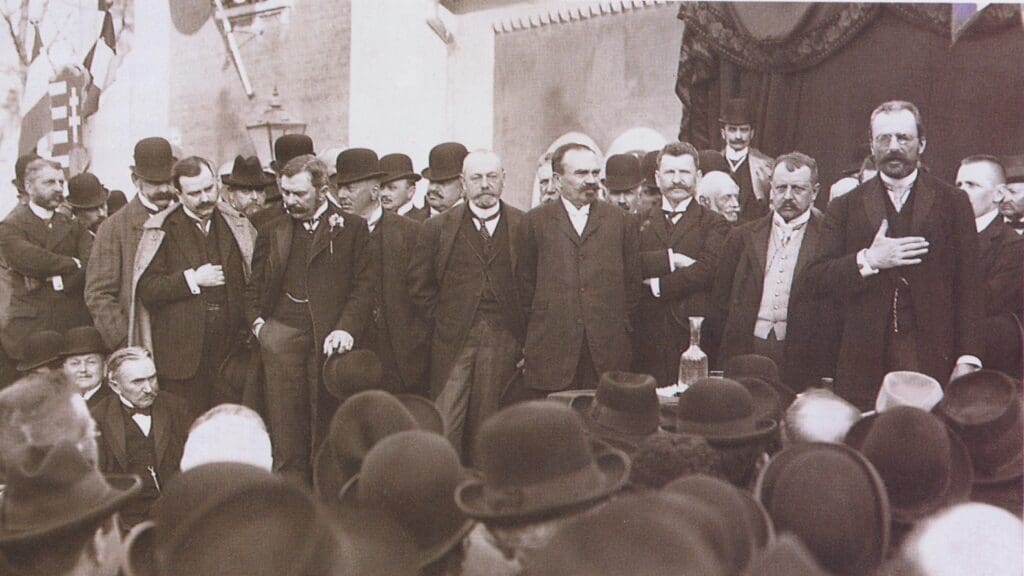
(135, 410)
(1016, 224)
(673, 214)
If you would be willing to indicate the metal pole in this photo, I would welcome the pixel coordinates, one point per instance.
(233, 47)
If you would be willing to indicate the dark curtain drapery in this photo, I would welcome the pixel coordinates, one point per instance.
(814, 72)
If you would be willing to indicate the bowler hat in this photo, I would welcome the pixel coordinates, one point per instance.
(763, 367)
(724, 411)
(358, 424)
(712, 161)
(83, 340)
(247, 173)
(40, 348)
(445, 162)
(55, 489)
(904, 388)
(351, 372)
(410, 477)
(648, 166)
(397, 167)
(1014, 167)
(984, 408)
(622, 173)
(19, 169)
(535, 460)
(622, 411)
(153, 159)
(924, 464)
(357, 164)
(804, 481)
(736, 112)
(115, 201)
(85, 191)
(290, 146)
(745, 517)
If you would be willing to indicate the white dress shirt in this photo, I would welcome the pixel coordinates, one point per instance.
(736, 157)
(374, 217)
(578, 216)
(144, 422)
(983, 221)
(482, 215)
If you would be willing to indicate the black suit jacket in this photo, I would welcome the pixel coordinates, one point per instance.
(402, 332)
(177, 314)
(452, 311)
(339, 274)
(945, 284)
(811, 318)
(663, 323)
(171, 422)
(34, 252)
(1001, 252)
(418, 214)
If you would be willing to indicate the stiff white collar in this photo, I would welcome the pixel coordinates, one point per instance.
(39, 211)
(484, 213)
(683, 206)
(145, 202)
(736, 155)
(792, 224)
(374, 217)
(982, 222)
(574, 211)
(904, 183)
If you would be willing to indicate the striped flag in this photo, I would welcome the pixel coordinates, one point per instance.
(66, 92)
(100, 62)
(35, 99)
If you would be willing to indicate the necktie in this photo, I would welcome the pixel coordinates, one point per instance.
(787, 234)
(898, 194)
(310, 225)
(482, 222)
(204, 226)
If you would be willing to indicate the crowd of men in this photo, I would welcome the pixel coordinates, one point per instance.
(295, 369)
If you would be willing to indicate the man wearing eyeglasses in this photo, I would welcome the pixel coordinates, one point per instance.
(901, 256)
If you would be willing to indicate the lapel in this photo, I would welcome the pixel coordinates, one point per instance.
(808, 247)
(23, 217)
(686, 222)
(562, 221)
(160, 431)
(323, 235)
(283, 241)
(450, 223)
(113, 430)
(391, 243)
(59, 229)
(225, 239)
(760, 235)
(659, 223)
(874, 204)
(182, 228)
(513, 231)
(924, 197)
(594, 220)
(987, 238)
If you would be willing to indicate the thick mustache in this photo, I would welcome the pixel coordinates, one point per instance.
(894, 156)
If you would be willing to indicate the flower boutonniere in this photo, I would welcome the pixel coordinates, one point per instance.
(335, 221)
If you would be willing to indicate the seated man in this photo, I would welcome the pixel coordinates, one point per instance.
(142, 430)
(84, 357)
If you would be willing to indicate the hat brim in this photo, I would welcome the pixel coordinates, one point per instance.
(435, 176)
(621, 439)
(139, 558)
(958, 489)
(1006, 472)
(79, 350)
(89, 205)
(392, 177)
(612, 464)
(32, 365)
(227, 181)
(424, 411)
(619, 186)
(160, 175)
(123, 487)
(358, 178)
(760, 426)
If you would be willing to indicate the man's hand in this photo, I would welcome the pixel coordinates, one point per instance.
(962, 369)
(338, 342)
(888, 252)
(257, 327)
(680, 260)
(209, 275)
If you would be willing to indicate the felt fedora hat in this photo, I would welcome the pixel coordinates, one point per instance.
(290, 146)
(904, 388)
(648, 166)
(924, 463)
(622, 172)
(83, 340)
(358, 424)
(40, 348)
(397, 167)
(763, 367)
(410, 477)
(712, 161)
(352, 372)
(804, 481)
(247, 173)
(445, 162)
(355, 164)
(153, 159)
(736, 112)
(623, 411)
(1014, 167)
(55, 489)
(85, 191)
(724, 411)
(984, 408)
(535, 459)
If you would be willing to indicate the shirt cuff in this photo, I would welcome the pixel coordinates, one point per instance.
(656, 287)
(190, 279)
(862, 264)
(671, 261)
(968, 359)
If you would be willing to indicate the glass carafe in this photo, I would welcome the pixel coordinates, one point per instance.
(693, 362)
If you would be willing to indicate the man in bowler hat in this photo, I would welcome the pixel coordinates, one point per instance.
(191, 269)
(285, 148)
(746, 164)
(443, 171)
(108, 281)
(88, 200)
(400, 335)
(622, 179)
(310, 296)
(245, 188)
(398, 186)
(46, 253)
(85, 357)
(462, 280)
(1011, 200)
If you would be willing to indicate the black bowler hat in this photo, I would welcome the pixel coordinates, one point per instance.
(40, 348)
(352, 372)
(357, 164)
(727, 412)
(290, 146)
(247, 173)
(83, 340)
(153, 159)
(397, 167)
(1014, 166)
(85, 191)
(115, 201)
(622, 173)
(648, 166)
(445, 162)
(736, 112)
(623, 411)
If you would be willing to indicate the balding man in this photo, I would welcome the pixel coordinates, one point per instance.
(462, 279)
(1001, 254)
(717, 191)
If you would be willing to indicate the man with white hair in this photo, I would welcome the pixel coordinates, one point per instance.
(967, 539)
(719, 192)
(227, 433)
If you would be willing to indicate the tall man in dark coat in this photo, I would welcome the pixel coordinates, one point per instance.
(761, 291)
(191, 268)
(680, 243)
(108, 280)
(748, 166)
(46, 253)
(579, 280)
(462, 279)
(310, 296)
(399, 335)
(1001, 253)
(900, 255)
